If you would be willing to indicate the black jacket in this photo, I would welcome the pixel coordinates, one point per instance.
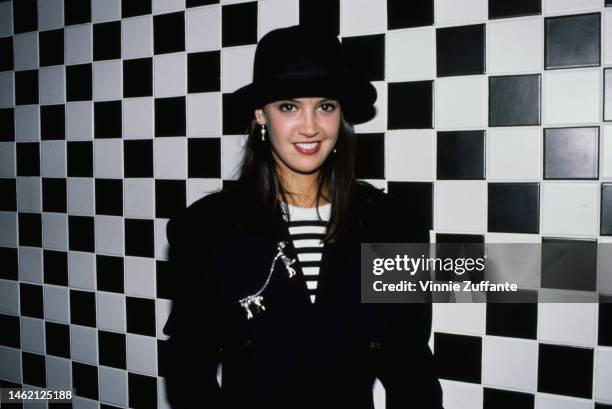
(293, 355)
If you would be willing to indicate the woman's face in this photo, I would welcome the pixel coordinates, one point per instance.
(302, 131)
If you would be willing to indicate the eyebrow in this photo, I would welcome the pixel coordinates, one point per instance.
(320, 100)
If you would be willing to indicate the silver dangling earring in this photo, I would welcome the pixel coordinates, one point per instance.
(334, 150)
(263, 132)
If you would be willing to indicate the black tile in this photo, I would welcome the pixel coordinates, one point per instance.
(514, 208)
(107, 41)
(140, 316)
(8, 267)
(572, 41)
(195, 3)
(169, 33)
(55, 267)
(138, 77)
(138, 158)
(458, 357)
(83, 308)
(311, 15)
(170, 116)
(8, 195)
(204, 158)
(605, 321)
(460, 50)
(110, 273)
(565, 370)
(142, 391)
(514, 100)
(28, 159)
(514, 8)
(30, 229)
(571, 153)
(25, 16)
(236, 118)
(26, 87)
(112, 349)
(597, 404)
(373, 46)
(54, 195)
(78, 82)
(239, 24)
(516, 320)
(34, 372)
(107, 119)
(139, 236)
(415, 13)
(607, 112)
(31, 300)
(51, 47)
(170, 197)
(164, 358)
(410, 105)
(77, 12)
(460, 155)
(52, 122)
(501, 399)
(131, 8)
(163, 279)
(85, 380)
(7, 124)
(453, 246)
(10, 334)
(81, 233)
(370, 156)
(418, 197)
(204, 71)
(608, 3)
(80, 159)
(7, 62)
(57, 337)
(606, 209)
(569, 264)
(109, 197)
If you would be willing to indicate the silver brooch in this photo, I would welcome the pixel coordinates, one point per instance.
(257, 299)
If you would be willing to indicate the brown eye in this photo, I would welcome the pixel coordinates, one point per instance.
(286, 107)
(328, 107)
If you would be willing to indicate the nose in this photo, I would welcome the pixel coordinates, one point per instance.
(309, 126)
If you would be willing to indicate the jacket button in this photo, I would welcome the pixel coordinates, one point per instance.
(247, 342)
(375, 345)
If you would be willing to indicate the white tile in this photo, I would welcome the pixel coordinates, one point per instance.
(9, 297)
(8, 229)
(167, 6)
(107, 80)
(29, 194)
(53, 159)
(10, 369)
(139, 198)
(461, 102)
(162, 400)
(113, 386)
(410, 155)
(58, 372)
(7, 89)
(162, 312)
(161, 241)
(7, 159)
(603, 374)
(236, 67)
(25, 51)
(32, 335)
(80, 196)
(84, 344)
(170, 75)
(55, 231)
(545, 401)
(518, 263)
(109, 235)
(607, 36)
(108, 158)
(567, 323)
(514, 154)
(79, 121)
(460, 206)
(465, 11)
(27, 123)
(30, 264)
(82, 270)
(6, 18)
(137, 37)
(580, 200)
(78, 44)
(607, 114)
(514, 45)
(275, 14)
(204, 114)
(56, 304)
(203, 29)
(170, 158)
(141, 354)
(84, 403)
(379, 122)
(411, 54)
(52, 85)
(104, 10)
(140, 277)
(138, 118)
(510, 363)
(198, 188)
(460, 395)
(110, 308)
(571, 96)
(461, 318)
(231, 154)
(557, 6)
(359, 17)
(50, 14)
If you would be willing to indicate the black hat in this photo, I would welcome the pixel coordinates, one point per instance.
(299, 61)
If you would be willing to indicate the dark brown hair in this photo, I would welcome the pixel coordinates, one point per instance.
(258, 172)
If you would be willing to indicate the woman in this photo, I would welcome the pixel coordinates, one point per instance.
(288, 326)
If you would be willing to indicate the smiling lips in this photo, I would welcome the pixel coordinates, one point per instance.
(308, 148)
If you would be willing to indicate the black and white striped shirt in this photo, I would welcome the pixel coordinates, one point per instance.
(307, 233)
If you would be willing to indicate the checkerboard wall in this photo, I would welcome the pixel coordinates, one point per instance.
(113, 114)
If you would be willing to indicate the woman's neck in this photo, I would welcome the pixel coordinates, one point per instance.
(301, 190)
